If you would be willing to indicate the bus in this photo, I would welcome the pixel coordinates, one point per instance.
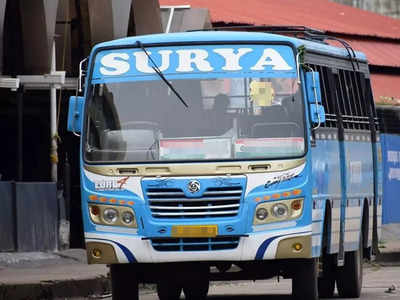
(229, 155)
(389, 120)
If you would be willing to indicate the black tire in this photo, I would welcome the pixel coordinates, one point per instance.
(124, 283)
(350, 276)
(305, 281)
(196, 290)
(326, 282)
(167, 290)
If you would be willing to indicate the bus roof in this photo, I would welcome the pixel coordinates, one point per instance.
(228, 36)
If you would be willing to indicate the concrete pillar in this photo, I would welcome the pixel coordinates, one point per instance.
(38, 19)
(65, 13)
(146, 16)
(103, 20)
(2, 15)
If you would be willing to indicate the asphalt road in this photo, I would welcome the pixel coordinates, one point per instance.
(376, 284)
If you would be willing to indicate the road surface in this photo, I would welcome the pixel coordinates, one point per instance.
(376, 286)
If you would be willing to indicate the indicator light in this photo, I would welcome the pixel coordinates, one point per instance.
(95, 210)
(296, 205)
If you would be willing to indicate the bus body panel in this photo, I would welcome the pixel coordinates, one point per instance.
(336, 176)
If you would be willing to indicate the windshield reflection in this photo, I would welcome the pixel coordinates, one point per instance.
(227, 119)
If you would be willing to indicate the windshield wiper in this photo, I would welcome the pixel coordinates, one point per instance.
(160, 74)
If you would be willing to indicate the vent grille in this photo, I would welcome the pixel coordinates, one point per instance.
(215, 202)
(195, 244)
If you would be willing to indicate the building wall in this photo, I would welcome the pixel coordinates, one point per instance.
(389, 8)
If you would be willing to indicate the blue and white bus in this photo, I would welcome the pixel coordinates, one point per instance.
(203, 151)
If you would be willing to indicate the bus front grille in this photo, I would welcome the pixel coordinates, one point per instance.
(195, 244)
(213, 203)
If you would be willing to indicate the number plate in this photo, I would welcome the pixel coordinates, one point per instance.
(190, 231)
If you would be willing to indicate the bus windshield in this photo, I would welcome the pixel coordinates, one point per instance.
(226, 119)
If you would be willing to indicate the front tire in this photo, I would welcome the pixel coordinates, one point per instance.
(167, 290)
(196, 290)
(305, 281)
(326, 283)
(124, 282)
(350, 276)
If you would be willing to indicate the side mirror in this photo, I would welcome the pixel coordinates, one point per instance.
(313, 92)
(75, 111)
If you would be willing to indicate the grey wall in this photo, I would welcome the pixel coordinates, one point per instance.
(389, 8)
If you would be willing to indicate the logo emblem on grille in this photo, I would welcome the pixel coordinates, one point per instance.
(194, 186)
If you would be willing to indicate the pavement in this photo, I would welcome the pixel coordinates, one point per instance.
(66, 275)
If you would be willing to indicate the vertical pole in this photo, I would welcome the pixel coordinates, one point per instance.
(20, 133)
(53, 119)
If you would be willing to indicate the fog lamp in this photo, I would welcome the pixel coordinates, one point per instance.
(96, 253)
(297, 247)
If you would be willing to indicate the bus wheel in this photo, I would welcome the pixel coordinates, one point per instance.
(349, 277)
(326, 283)
(167, 290)
(196, 290)
(305, 281)
(124, 282)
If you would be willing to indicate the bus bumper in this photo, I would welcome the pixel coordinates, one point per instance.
(118, 248)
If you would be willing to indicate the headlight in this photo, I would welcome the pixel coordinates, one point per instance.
(277, 211)
(261, 213)
(280, 210)
(127, 217)
(110, 215)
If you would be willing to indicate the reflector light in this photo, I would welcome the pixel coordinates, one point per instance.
(296, 192)
(276, 196)
(103, 199)
(93, 197)
(286, 194)
(267, 197)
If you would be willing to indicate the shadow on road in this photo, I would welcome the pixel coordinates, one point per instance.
(250, 297)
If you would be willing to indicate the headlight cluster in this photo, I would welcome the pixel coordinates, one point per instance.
(112, 215)
(276, 211)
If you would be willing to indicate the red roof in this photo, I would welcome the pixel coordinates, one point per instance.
(319, 14)
(378, 52)
(375, 35)
(386, 88)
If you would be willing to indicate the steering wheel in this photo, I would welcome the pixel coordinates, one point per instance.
(153, 126)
